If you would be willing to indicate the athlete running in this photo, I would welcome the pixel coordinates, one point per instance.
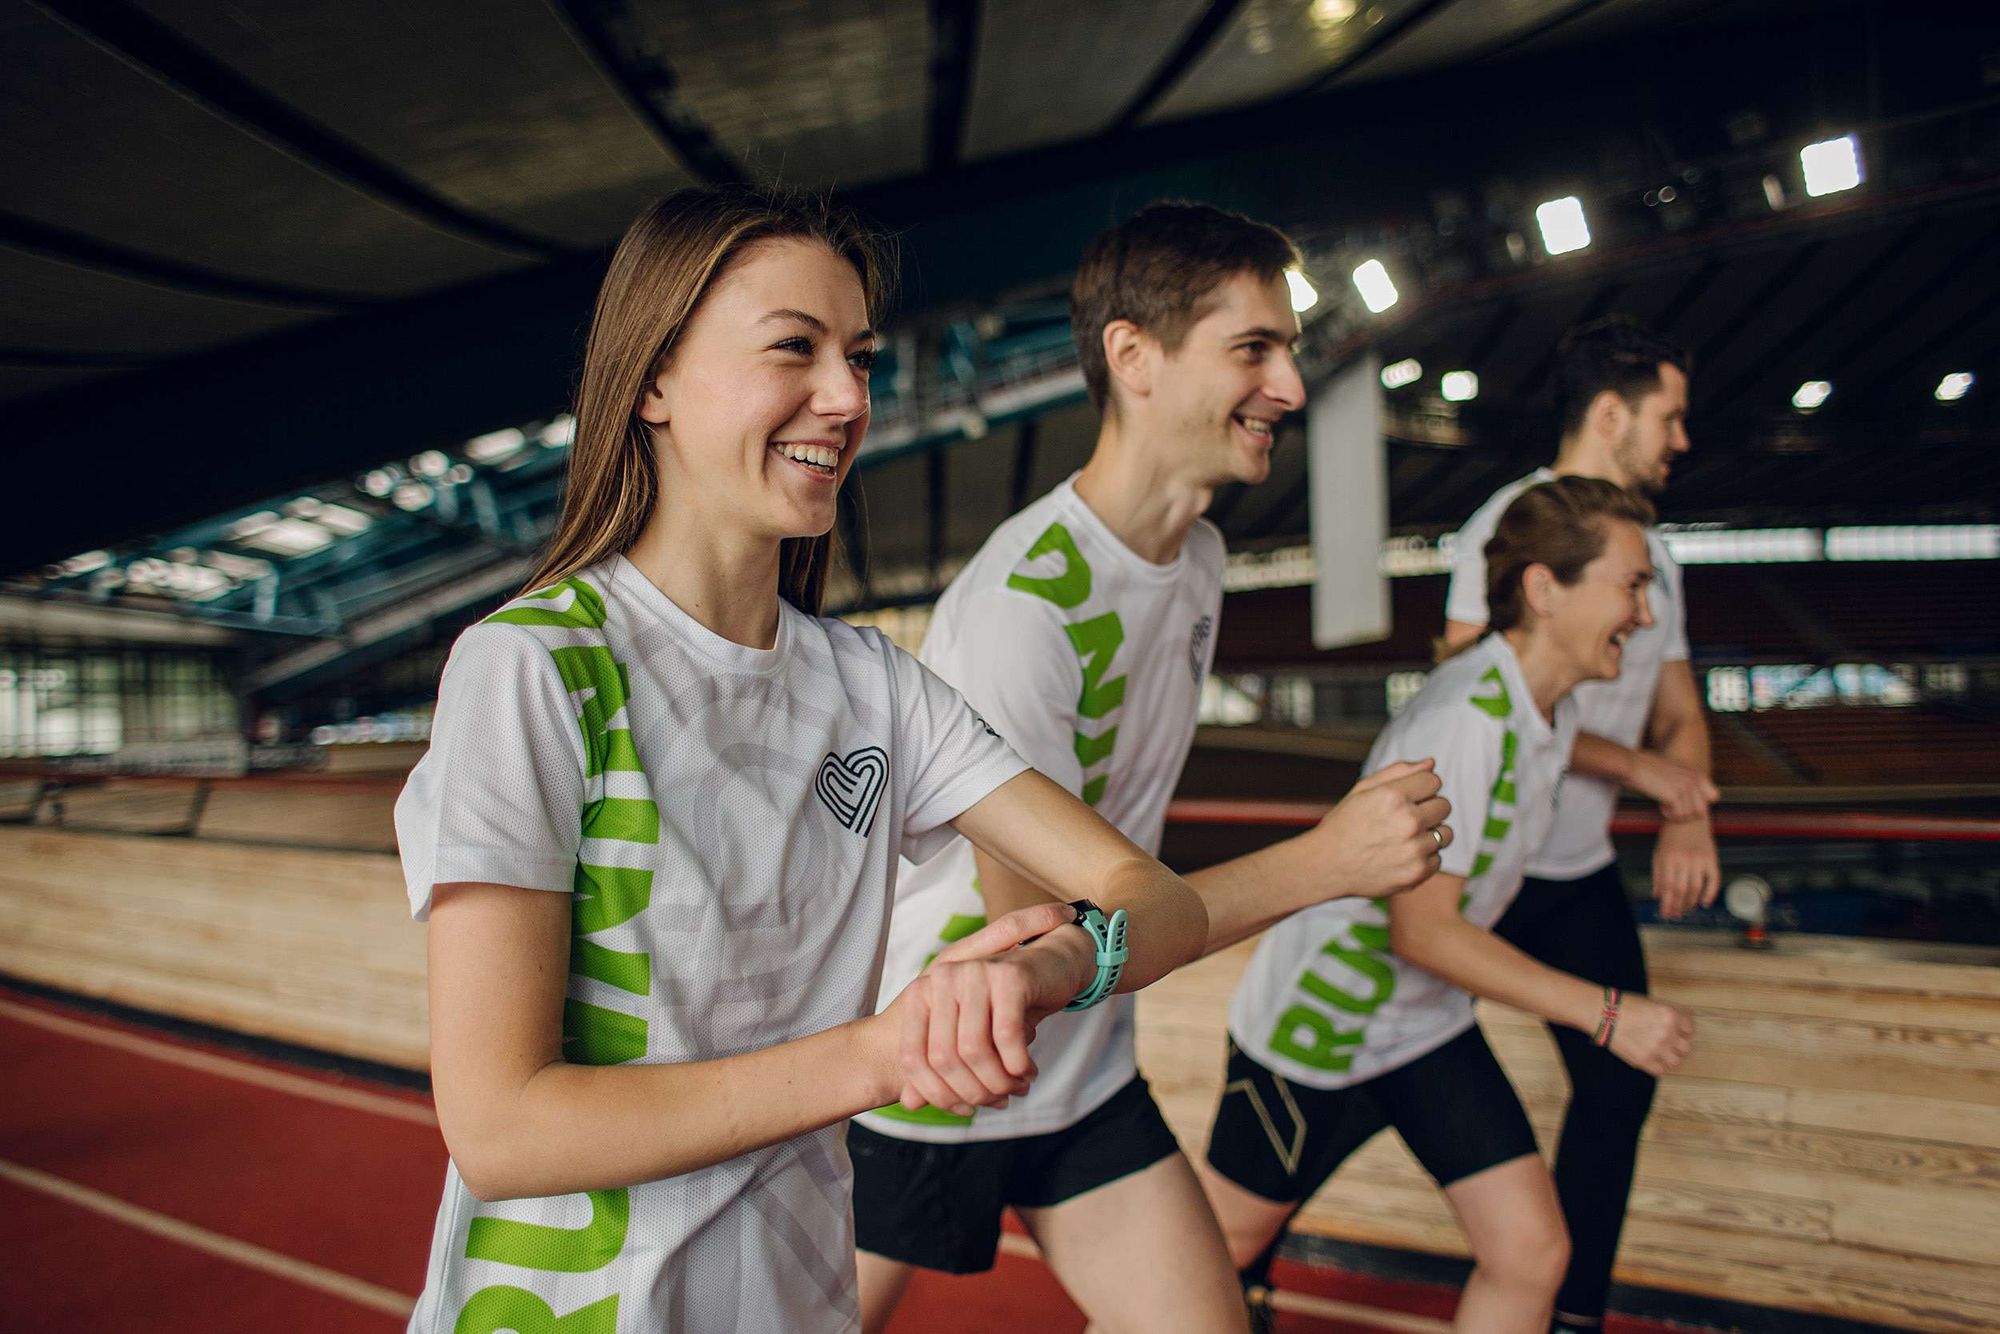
(1082, 630)
(1621, 405)
(657, 832)
(1356, 1016)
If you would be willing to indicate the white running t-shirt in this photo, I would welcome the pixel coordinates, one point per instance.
(1089, 660)
(727, 822)
(1616, 710)
(1324, 1001)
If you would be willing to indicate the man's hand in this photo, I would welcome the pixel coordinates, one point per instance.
(1683, 793)
(1685, 869)
(1378, 840)
(1651, 1036)
(957, 1036)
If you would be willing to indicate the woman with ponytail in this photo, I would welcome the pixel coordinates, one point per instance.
(657, 831)
(1357, 1015)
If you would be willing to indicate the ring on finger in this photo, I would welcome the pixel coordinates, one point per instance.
(1437, 836)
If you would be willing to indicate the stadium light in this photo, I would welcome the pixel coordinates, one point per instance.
(1811, 394)
(1377, 292)
(1304, 295)
(1831, 165)
(1950, 389)
(1563, 226)
(1459, 386)
(1399, 373)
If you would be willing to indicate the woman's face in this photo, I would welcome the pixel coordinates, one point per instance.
(759, 413)
(1591, 619)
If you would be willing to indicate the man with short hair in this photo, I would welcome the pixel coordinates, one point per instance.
(1082, 631)
(1621, 402)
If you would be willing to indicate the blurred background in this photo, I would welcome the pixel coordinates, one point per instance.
(294, 293)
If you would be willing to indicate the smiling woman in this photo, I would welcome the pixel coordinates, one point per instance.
(658, 827)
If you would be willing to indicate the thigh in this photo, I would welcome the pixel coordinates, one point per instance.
(1142, 1253)
(1457, 1110)
(936, 1206)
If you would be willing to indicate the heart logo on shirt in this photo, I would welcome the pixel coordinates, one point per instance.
(852, 787)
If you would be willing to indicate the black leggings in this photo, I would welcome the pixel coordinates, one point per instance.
(1585, 927)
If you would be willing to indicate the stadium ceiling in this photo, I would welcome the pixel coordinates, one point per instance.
(246, 247)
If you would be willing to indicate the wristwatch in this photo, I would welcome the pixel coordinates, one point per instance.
(1109, 938)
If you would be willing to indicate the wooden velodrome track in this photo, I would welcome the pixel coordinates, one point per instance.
(1832, 1150)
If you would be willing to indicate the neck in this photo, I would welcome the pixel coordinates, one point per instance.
(1548, 674)
(1140, 496)
(728, 581)
(1581, 456)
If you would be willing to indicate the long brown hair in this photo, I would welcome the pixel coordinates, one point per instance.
(1560, 524)
(666, 263)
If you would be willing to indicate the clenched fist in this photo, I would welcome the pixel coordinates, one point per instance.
(1386, 835)
(1651, 1036)
(959, 1033)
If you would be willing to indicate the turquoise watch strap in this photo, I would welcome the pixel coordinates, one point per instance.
(1112, 952)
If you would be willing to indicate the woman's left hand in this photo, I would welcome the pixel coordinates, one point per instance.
(966, 1022)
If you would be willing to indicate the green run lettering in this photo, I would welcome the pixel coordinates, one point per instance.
(1306, 1032)
(602, 898)
(498, 1308)
(1096, 641)
(556, 1250)
(1067, 589)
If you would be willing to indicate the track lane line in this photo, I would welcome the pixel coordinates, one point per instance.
(302, 1272)
(1301, 1303)
(227, 1067)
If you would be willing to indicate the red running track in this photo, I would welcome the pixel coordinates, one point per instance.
(149, 1183)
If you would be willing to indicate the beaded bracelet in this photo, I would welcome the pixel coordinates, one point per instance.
(1607, 1020)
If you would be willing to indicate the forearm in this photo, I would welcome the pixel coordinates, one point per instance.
(1600, 757)
(570, 1128)
(1684, 739)
(1168, 925)
(1480, 962)
(1243, 896)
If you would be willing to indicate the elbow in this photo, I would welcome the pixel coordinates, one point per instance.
(490, 1169)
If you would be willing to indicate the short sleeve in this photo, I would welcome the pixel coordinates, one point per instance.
(1673, 622)
(1465, 600)
(499, 796)
(947, 758)
(1467, 751)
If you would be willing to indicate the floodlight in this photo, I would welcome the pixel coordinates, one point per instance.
(1831, 165)
(1954, 386)
(1372, 281)
(1563, 226)
(1399, 373)
(430, 463)
(1459, 386)
(1811, 394)
(1304, 295)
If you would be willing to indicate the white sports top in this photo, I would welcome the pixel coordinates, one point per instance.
(1324, 1001)
(1089, 660)
(1616, 710)
(727, 822)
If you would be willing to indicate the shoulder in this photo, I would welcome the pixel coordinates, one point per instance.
(1206, 545)
(578, 602)
(1487, 517)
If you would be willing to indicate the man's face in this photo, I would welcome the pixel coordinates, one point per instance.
(1656, 434)
(1218, 397)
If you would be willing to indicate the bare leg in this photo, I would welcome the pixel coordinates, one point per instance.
(1520, 1248)
(1142, 1254)
(882, 1283)
(1248, 1220)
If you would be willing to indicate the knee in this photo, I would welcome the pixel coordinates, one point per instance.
(1534, 1257)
